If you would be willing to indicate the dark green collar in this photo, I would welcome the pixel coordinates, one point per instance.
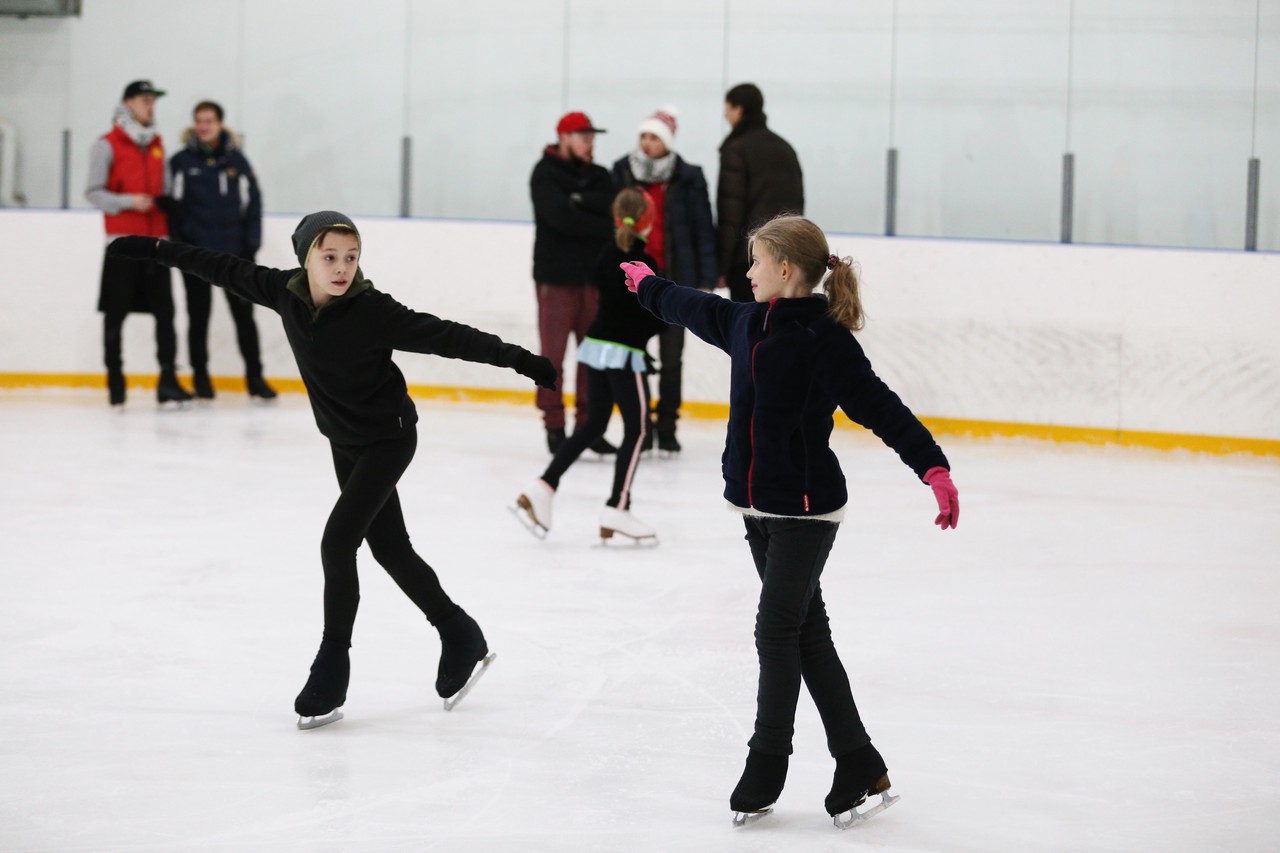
(299, 287)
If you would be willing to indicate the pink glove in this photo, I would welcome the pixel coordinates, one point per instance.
(636, 272)
(939, 479)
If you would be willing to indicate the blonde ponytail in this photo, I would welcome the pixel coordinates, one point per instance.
(798, 240)
(843, 293)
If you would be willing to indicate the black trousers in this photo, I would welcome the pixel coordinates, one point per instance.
(630, 392)
(132, 285)
(793, 637)
(200, 306)
(670, 377)
(369, 510)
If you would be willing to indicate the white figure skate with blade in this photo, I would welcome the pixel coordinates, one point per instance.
(533, 508)
(621, 522)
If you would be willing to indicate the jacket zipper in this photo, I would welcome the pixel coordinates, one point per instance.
(751, 432)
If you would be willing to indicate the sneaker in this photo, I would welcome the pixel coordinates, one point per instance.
(623, 523)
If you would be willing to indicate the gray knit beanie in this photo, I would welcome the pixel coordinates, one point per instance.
(311, 225)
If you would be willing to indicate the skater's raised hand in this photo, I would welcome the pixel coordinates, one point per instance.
(143, 248)
(636, 272)
(539, 369)
(939, 479)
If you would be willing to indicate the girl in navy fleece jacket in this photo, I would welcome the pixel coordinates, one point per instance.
(794, 362)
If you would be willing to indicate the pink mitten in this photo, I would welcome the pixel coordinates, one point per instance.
(939, 479)
(636, 272)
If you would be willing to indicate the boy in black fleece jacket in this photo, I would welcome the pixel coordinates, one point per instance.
(342, 331)
(794, 363)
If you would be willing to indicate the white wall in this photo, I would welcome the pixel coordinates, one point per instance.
(1162, 102)
(1156, 340)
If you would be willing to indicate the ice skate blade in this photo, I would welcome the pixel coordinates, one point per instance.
(745, 818)
(523, 511)
(856, 817)
(319, 720)
(627, 541)
(452, 701)
(174, 405)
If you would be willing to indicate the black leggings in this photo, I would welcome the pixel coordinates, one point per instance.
(200, 306)
(369, 509)
(793, 637)
(629, 390)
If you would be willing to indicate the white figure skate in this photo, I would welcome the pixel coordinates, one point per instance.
(533, 508)
(623, 523)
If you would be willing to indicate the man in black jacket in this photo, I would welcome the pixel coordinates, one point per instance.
(572, 223)
(683, 242)
(760, 178)
(220, 208)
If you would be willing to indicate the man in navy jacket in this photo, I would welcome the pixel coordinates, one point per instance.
(219, 207)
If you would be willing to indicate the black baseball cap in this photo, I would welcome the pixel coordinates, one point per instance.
(141, 87)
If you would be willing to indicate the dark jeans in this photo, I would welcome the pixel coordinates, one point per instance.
(369, 509)
(670, 390)
(793, 637)
(200, 306)
(630, 391)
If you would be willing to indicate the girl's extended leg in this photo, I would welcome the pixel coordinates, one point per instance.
(598, 414)
(631, 393)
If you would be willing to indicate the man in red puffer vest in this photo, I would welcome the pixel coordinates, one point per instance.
(128, 182)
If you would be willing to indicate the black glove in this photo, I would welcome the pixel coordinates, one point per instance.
(168, 204)
(538, 368)
(142, 248)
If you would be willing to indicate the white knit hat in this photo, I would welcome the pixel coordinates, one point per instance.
(662, 124)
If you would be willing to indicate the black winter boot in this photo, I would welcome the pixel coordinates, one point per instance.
(203, 384)
(258, 387)
(667, 441)
(326, 688)
(761, 782)
(168, 390)
(462, 646)
(859, 774)
(115, 387)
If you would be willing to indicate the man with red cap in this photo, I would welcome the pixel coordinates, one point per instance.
(572, 224)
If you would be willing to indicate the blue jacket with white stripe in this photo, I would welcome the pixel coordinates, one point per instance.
(219, 205)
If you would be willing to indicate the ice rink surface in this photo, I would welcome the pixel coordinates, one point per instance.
(1090, 662)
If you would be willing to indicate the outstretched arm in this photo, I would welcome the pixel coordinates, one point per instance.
(708, 316)
(262, 285)
(868, 401)
(415, 331)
